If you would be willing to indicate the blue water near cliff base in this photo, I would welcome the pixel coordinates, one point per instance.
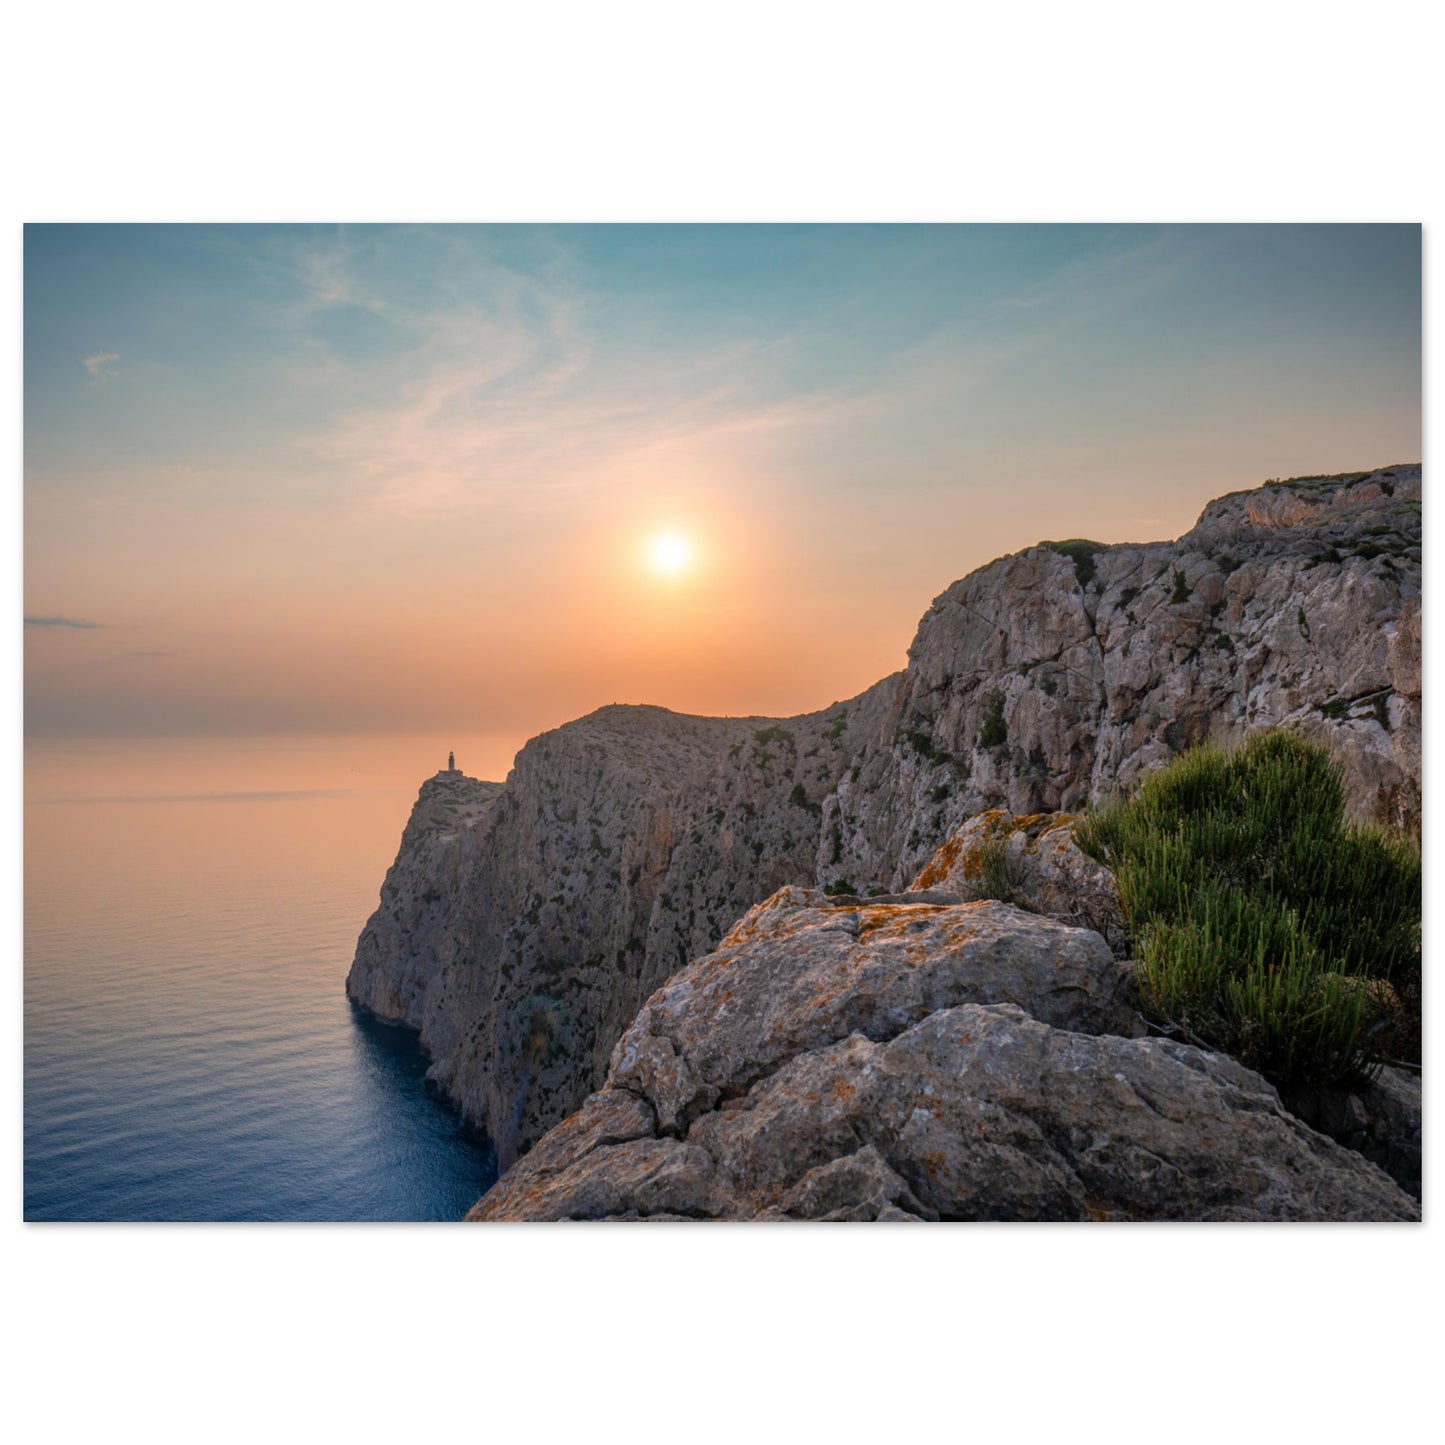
(190, 1053)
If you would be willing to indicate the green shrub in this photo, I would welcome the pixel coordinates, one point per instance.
(1081, 552)
(922, 744)
(773, 734)
(1260, 917)
(840, 887)
(1001, 875)
(995, 730)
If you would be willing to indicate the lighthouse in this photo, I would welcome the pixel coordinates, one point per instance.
(449, 773)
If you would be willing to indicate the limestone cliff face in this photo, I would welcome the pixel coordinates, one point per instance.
(628, 842)
(405, 941)
(623, 845)
(1046, 679)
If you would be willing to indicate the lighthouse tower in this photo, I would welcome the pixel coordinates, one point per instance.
(450, 772)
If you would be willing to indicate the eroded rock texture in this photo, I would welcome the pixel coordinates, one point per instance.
(1045, 680)
(910, 1060)
(628, 842)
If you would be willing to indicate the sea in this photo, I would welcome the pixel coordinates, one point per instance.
(191, 908)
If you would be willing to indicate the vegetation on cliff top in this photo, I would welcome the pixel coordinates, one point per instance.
(1264, 924)
(1081, 552)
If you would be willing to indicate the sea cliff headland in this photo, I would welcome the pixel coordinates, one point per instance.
(524, 925)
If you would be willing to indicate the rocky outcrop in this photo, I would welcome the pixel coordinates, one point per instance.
(1032, 861)
(628, 842)
(803, 970)
(922, 1060)
(1035, 862)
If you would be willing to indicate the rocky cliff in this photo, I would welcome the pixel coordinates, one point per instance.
(522, 939)
(413, 929)
(1059, 674)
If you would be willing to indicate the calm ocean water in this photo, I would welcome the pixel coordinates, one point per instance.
(191, 909)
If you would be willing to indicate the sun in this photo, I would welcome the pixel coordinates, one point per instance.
(670, 553)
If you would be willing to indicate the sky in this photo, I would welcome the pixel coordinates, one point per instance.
(409, 480)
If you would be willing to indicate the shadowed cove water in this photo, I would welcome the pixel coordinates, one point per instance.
(191, 909)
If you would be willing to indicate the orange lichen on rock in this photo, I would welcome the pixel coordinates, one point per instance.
(960, 928)
(939, 865)
(1026, 822)
(888, 919)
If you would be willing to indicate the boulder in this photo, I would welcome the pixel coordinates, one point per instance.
(802, 970)
(837, 1059)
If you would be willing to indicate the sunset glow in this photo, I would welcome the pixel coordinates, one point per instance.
(670, 553)
(409, 480)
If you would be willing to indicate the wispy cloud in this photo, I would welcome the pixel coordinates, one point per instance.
(511, 391)
(101, 364)
(533, 423)
(61, 622)
(455, 372)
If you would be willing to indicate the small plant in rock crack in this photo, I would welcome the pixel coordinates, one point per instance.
(1000, 875)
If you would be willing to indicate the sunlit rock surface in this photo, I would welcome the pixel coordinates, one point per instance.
(901, 1060)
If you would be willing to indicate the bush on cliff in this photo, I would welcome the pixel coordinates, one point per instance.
(1081, 552)
(1264, 925)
